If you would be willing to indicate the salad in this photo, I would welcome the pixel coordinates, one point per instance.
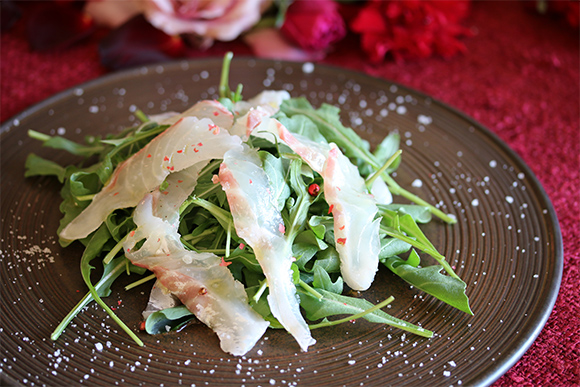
(246, 215)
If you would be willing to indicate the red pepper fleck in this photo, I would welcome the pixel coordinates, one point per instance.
(341, 241)
(281, 228)
(165, 192)
(180, 151)
(142, 326)
(251, 181)
(330, 208)
(132, 233)
(224, 263)
(216, 113)
(195, 150)
(199, 144)
(149, 155)
(180, 181)
(115, 194)
(242, 246)
(313, 189)
(342, 227)
(211, 127)
(166, 158)
(119, 302)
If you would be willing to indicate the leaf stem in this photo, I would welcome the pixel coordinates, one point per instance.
(371, 179)
(310, 290)
(140, 282)
(118, 247)
(85, 301)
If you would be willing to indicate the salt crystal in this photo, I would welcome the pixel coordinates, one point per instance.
(308, 67)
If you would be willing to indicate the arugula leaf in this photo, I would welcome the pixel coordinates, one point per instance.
(38, 166)
(386, 149)
(93, 249)
(334, 304)
(167, 320)
(306, 245)
(392, 246)
(322, 280)
(420, 214)
(103, 288)
(448, 289)
(327, 120)
(62, 143)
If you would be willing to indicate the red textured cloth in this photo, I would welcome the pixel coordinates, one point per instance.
(519, 77)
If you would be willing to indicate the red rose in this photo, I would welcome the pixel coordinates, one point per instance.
(411, 28)
(313, 25)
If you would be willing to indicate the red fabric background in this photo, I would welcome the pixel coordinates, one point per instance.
(519, 77)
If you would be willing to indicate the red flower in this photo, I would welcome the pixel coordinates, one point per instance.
(313, 25)
(410, 29)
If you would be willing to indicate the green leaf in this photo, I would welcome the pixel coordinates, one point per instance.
(93, 249)
(62, 143)
(329, 260)
(167, 320)
(37, 166)
(111, 272)
(319, 225)
(327, 120)
(386, 149)
(322, 280)
(448, 289)
(392, 246)
(302, 125)
(305, 246)
(334, 304)
(420, 214)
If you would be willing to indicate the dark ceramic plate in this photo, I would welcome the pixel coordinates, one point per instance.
(506, 246)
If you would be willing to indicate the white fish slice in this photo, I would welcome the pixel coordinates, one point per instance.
(200, 280)
(259, 223)
(213, 110)
(185, 143)
(356, 235)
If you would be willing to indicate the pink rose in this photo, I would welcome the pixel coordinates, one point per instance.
(313, 25)
(209, 19)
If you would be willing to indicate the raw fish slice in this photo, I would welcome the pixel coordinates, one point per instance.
(200, 280)
(313, 153)
(160, 298)
(179, 186)
(268, 99)
(245, 124)
(356, 234)
(187, 142)
(213, 110)
(260, 224)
